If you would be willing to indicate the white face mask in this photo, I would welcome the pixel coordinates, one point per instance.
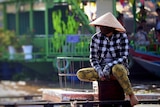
(97, 29)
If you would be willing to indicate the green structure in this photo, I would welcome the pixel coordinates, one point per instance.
(44, 22)
(54, 28)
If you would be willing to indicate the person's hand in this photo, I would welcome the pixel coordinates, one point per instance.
(106, 71)
(101, 74)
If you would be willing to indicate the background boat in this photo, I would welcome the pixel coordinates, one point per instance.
(148, 60)
(151, 66)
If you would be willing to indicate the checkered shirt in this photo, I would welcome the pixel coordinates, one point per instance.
(117, 46)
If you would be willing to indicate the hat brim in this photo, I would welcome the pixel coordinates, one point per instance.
(108, 20)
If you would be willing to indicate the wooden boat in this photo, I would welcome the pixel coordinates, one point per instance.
(151, 66)
(148, 60)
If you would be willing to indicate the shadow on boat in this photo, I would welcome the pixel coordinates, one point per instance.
(140, 74)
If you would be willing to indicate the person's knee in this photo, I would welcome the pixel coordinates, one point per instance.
(119, 69)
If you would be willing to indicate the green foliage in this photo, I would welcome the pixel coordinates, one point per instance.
(83, 45)
(57, 23)
(58, 41)
(26, 40)
(8, 38)
(72, 25)
(62, 28)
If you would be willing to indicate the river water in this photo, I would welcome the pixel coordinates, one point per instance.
(142, 81)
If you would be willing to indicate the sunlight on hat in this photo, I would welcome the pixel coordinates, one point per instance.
(108, 20)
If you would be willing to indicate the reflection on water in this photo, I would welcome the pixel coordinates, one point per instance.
(8, 88)
(143, 81)
(11, 88)
(15, 91)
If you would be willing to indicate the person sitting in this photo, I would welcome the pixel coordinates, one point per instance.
(141, 14)
(141, 37)
(109, 51)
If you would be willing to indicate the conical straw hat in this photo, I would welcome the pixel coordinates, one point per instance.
(108, 20)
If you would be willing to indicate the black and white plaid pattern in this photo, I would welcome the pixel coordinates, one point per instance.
(117, 46)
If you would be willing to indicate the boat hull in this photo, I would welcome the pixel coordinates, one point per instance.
(150, 66)
(148, 60)
(145, 55)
